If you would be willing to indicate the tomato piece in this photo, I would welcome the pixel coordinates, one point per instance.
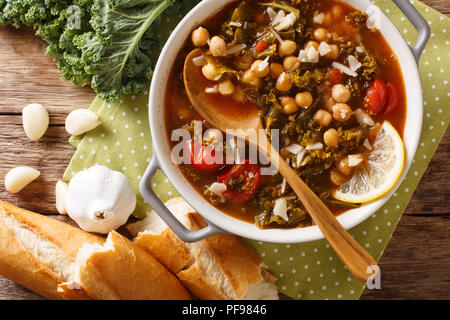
(261, 45)
(242, 181)
(376, 97)
(379, 85)
(392, 98)
(203, 157)
(335, 76)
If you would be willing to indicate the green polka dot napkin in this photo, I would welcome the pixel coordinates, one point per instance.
(309, 270)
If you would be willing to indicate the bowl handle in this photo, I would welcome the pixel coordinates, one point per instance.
(159, 207)
(419, 23)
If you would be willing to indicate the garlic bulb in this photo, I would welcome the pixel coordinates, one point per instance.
(100, 199)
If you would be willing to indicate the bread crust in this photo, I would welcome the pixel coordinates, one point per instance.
(21, 266)
(234, 261)
(126, 272)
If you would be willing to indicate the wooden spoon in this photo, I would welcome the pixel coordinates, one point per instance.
(233, 115)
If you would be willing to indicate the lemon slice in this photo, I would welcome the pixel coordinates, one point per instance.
(380, 172)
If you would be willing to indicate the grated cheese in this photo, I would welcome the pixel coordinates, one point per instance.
(310, 55)
(354, 160)
(367, 145)
(299, 158)
(344, 69)
(315, 146)
(217, 188)
(280, 208)
(324, 49)
(287, 22)
(211, 89)
(353, 63)
(319, 18)
(294, 148)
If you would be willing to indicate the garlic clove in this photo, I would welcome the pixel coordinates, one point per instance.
(60, 193)
(35, 121)
(81, 121)
(18, 178)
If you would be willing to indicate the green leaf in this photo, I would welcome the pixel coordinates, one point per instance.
(112, 53)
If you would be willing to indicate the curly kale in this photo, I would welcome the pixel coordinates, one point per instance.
(30, 12)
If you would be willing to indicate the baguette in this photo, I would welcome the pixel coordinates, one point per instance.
(38, 252)
(59, 261)
(221, 267)
(120, 270)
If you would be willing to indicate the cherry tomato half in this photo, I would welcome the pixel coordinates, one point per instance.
(242, 181)
(391, 98)
(204, 158)
(335, 76)
(261, 45)
(376, 96)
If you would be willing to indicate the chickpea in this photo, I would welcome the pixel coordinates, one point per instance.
(251, 79)
(304, 99)
(321, 34)
(344, 168)
(323, 118)
(226, 87)
(260, 68)
(340, 93)
(289, 105)
(218, 47)
(210, 72)
(334, 53)
(342, 112)
(276, 69)
(312, 44)
(200, 37)
(239, 95)
(337, 11)
(284, 82)
(331, 138)
(337, 178)
(291, 63)
(244, 61)
(286, 48)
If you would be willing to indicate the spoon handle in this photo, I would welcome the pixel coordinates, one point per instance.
(358, 261)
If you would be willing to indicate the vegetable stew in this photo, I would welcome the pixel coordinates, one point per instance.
(320, 73)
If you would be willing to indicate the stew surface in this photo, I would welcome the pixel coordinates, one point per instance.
(321, 75)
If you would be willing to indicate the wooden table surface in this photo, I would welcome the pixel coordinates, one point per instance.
(415, 265)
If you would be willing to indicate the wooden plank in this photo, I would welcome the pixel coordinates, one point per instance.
(433, 192)
(29, 76)
(50, 155)
(416, 262)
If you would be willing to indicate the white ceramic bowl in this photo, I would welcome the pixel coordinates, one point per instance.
(227, 223)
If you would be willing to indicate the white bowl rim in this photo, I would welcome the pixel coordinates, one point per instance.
(232, 225)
